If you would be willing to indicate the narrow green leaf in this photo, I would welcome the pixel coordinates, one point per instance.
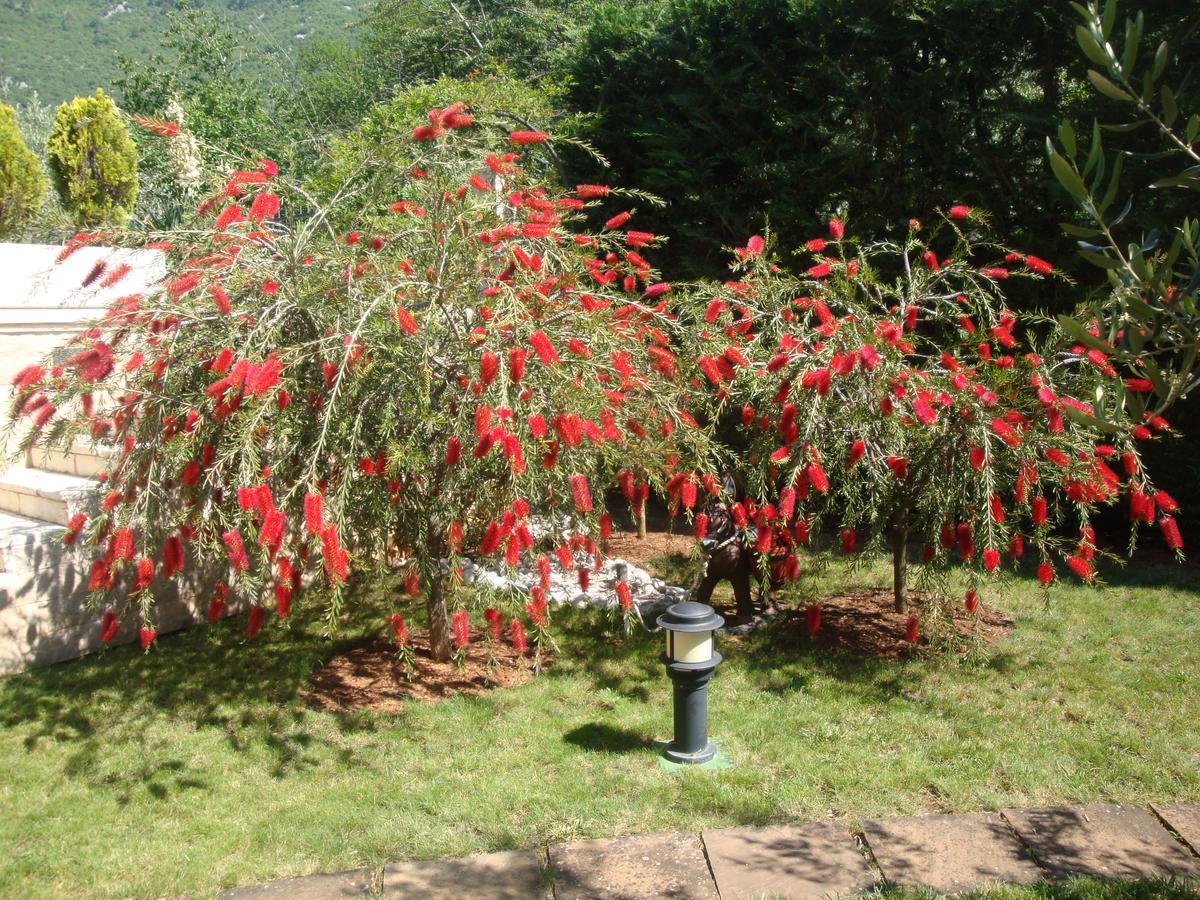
(1130, 51)
(1084, 419)
(1109, 18)
(1099, 260)
(1113, 185)
(1187, 181)
(1067, 176)
(1107, 88)
(1161, 55)
(1169, 105)
(1077, 331)
(1091, 47)
(1095, 151)
(1154, 373)
(1066, 137)
(1193, 127)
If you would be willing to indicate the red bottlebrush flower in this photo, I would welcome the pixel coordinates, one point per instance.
(820, 270)
(216, 606)
(971, 601)
(836, 229)
(1016, 546)
(121, 545)
(592, 191)
(960, 212)
(109, 626)
(518, 636)
(1081, 567)
(812, 616)
(453, 451)
(966, 541)
(236, 550)
(978, 458)
(715, 307)
(427, 132)
(398, 628)
(584, 580)
(1037, 511)
(334, 556)
(147, 637)
(997, 273)
(1170, 532)
(405, 320)
(489, 366)
(657, 290)
(271, 532)
(580, 493)
(314, 513)
(1165, 502)
(991, 559)
(700, 526)
(815, 245)
(544, 349)
(605, 526)
(516, 365)
(522, 138)
(255, 621)
(912, 630)
(1040, 266)
(462, 628)
(1057, 457)
(848, 540)
(816, 477)
(264, 206)
(172, 556)
(228, 216)
(738, 512)
(996, 508)
(1006, 432)
(220, 298)
(74, 527)
(495, 623)
(857, 451)
(1045, 573)
(898, 465)
(624, 596)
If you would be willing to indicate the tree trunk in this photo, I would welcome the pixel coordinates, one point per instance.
(900, 567)
(439, 619)
(641, 520)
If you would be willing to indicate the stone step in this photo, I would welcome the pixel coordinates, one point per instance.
(82, 459)
(29, 545)
(52, 497)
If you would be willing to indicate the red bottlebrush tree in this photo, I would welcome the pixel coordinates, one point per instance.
(891, 390)
(466, 356)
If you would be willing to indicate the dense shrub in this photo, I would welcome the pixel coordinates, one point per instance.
(93, 161)
(22, 185)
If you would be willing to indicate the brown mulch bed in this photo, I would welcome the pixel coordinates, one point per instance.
(370, 675)
(865, 624)
(626, 545)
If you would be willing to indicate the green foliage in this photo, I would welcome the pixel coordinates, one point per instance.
(380, 148)
(93, 161)
(402, 43)
(745, 110)
(1147, 313)
(22, 184)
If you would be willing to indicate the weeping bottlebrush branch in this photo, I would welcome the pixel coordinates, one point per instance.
(392, 372)
(889, 388)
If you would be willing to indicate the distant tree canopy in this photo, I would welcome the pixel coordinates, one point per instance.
(93, 161)
(744, 110)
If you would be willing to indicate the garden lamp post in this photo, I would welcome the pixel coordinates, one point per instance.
(691, 658)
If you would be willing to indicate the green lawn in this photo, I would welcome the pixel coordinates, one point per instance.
(195, 767)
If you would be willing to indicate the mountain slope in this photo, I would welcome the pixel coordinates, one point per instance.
(69, 47)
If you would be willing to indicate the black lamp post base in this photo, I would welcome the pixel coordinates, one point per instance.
(704, 755)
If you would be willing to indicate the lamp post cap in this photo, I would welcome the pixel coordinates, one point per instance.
(690, 616)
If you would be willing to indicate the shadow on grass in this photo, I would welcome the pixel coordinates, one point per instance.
(601, 737)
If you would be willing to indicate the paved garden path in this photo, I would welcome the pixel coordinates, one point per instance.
(948, 853)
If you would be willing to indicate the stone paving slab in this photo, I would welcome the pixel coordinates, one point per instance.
(816, 860)
(356, 883)
(1184, 818)
(949, 853)
(668, 864)
(1102, 841)
(510, 875)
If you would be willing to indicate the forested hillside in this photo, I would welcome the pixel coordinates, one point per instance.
(60, 48)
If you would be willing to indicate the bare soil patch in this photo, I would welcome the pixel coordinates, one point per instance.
(371, 676)
(865, 624)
